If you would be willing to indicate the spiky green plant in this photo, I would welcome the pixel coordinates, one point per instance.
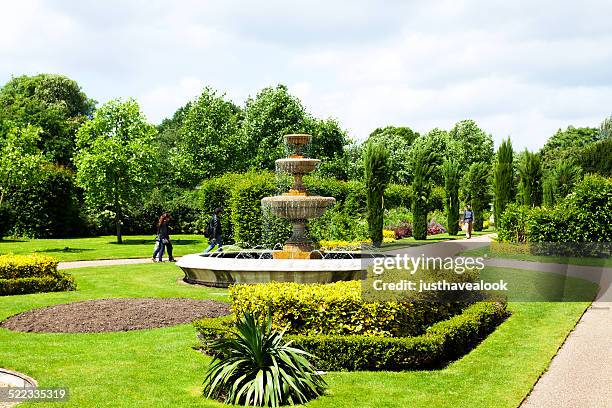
(450, 170)
(503, 178)
(376, 161)
(255, 366)
(530, 173)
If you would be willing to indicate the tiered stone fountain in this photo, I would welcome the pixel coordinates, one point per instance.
(298, 261)
(296, 205)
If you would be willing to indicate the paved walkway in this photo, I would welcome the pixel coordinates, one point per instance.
(104, 262)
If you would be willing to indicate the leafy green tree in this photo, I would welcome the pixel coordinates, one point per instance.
(398, 141)
(471, 143)
(273, 113)
(530, 175)
(452, 180)
(567, 144)
(328, 139)
(476, 190)
(376, 159)
(209, 142)
(116, 159)
(169, 130)
(560, 181)
(346, 166)
(605, 129)
(424, 161)
(52, 102)
(503, 178)
(21, 160)
(595, 157)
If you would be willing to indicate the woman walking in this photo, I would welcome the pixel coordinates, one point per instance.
(163, 234)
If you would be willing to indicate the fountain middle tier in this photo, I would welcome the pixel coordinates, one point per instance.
(298, 207)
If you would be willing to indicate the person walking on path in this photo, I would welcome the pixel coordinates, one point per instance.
(157, 248)
(213, 232)
(164, 237)
(468, 218)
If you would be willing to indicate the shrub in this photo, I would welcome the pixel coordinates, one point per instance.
(402, 230)
(245, 204)
(583, 216)
(20, 274)
(434, 228)
(338, 224)
(512, 226)
(48, 206)
(336, 308)
(397, 215)
(256, 366)
(437, 346)
(397, 195)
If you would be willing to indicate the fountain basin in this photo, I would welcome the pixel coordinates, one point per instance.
(296, 207)
(295, 165)
(224, 269)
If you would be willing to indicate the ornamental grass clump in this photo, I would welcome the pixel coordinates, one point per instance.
(256, 366)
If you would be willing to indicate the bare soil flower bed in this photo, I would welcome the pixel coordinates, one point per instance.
(114, 315)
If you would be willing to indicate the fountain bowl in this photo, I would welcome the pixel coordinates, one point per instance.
(295, 165)
(298, 207)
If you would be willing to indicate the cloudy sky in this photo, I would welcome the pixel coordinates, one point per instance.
(519, 68)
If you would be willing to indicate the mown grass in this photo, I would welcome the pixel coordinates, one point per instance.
(159, 367)
(104, 247)
(565, 260)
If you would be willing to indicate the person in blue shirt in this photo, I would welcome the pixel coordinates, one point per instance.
(468, 218)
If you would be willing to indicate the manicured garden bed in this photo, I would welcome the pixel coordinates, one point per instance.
(159, 367)
(22, 274)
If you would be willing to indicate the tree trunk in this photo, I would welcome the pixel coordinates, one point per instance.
(118, 219)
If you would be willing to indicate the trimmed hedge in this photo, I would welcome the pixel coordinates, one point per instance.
(585, 215)
(20, 274)
(336, 309)
(442, 343)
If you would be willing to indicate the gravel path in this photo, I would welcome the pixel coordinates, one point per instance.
(104, 262)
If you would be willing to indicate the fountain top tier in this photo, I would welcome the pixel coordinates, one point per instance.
(296, 143)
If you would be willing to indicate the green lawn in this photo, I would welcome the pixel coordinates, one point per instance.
(571, 260)
(104, 247)
(159, 368)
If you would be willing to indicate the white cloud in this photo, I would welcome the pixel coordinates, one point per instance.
(518, 68)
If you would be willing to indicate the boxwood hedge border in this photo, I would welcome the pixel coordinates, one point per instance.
(442, 343)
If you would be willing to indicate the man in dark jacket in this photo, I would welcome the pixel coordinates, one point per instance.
(214, 231)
